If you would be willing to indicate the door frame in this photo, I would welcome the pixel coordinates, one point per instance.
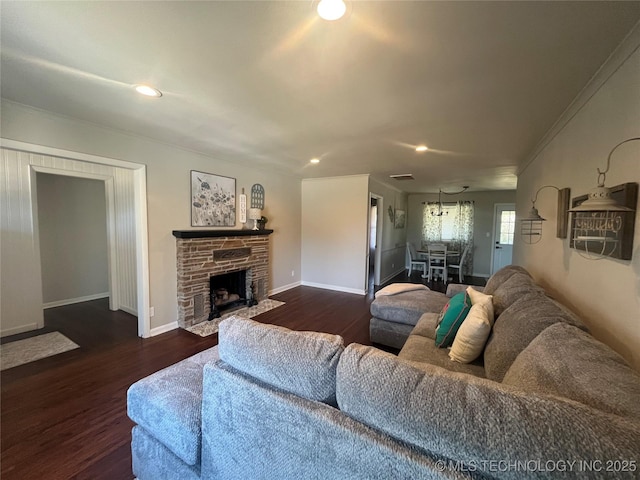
(493, 233)
(379, 226)
(139, 210)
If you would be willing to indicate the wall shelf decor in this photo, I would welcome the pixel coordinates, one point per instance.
(606, 233)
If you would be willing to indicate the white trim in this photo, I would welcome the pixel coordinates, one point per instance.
(21, 329)
(140, 207)
(71, 301)
(128, 310)
(163, 329)
(620, 55)
(284, 288)
(481, 275)
(334, 288)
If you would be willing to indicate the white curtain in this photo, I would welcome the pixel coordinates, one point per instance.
(460, 219)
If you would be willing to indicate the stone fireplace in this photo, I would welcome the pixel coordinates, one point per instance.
(204, 255)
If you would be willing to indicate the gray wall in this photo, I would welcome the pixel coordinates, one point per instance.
(168, 173)
(606, 292)
(484, 203)
(393, 247)
(72, 222)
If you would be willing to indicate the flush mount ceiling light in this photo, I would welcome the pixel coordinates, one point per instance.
(148, 91)
(315, 160)
(331, 9)
(422, 148)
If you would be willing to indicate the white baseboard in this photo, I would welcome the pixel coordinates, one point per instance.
(130, 311)
(21, 329)
(335, 288)
(284, 288)
(163, 329)
(483, 275)
(71, 301)
(390, 276)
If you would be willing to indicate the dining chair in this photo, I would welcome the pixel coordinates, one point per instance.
(460, 264)
(414, 260)
(437, 260)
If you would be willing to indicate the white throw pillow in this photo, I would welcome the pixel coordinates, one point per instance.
(473, 333)
(479, 297)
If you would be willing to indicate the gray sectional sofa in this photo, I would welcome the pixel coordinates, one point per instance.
(548, 401)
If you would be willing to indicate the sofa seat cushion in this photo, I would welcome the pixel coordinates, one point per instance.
(426, 326)
(422, 350)
(560, 361)
(517, 326)
(408, 307)
(303, 363)
(168, 403)
(473, 419)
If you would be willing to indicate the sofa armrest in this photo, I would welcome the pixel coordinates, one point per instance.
(455, 288)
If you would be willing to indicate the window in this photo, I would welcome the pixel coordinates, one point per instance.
(455, 225)
(507, 226)
(448, 222)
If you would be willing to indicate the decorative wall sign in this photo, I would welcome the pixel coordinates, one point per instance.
(606, 234)
(257, 196)
(399, 218)
(390, 212)
(242, 206)
(213, 200)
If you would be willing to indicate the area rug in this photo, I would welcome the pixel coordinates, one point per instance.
(31, 349)
(210, 327)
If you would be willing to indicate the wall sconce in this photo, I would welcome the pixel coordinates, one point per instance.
(439, 212)
(600, 224)
(531, 226)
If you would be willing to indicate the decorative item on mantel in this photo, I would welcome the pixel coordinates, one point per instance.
(257, 196)
(603, 221)
(242, 206)
(255, 214)
(531, 226)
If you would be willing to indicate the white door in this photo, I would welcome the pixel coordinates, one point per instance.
(505, 227)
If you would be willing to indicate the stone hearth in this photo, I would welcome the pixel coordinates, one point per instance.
(204, 253)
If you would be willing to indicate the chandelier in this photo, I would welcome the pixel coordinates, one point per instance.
(439, 212)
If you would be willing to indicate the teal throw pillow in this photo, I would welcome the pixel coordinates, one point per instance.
(451, 317)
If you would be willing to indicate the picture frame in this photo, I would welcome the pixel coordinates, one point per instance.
(213, 200)
(400, 218)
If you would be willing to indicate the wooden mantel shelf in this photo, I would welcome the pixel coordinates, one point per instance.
(218, 233)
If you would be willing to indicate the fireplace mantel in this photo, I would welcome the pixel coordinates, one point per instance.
(218, 233)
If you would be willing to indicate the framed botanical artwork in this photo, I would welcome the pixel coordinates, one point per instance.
(213, 200)
(400, 218)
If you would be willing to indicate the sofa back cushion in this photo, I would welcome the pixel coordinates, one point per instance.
(472, 419)
(303, 363)
(512, 289)
(517, 326)
(502, 276)
(567, 362)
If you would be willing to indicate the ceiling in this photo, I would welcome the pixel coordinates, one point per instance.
(270, 84)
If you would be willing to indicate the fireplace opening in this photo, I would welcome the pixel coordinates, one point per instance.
(227, 291)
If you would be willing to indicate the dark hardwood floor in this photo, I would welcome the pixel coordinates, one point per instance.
(65, 416)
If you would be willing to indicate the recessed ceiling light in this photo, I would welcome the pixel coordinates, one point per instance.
(331, 9)
(422, 148)
(148, 91)
(315, 160)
